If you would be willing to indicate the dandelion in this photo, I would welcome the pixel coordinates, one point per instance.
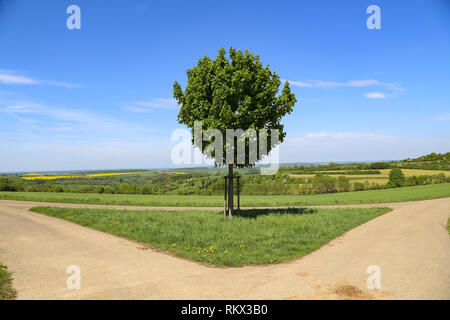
(225, 251)
(174, 244)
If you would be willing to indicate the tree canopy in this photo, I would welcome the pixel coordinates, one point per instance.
(396, 177)
(234, 93)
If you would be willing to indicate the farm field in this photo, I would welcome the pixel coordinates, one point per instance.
(292, 179)
(424, 192)
(35, 176)
(381, 178)
(257, 237)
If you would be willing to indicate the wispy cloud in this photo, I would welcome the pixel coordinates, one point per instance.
(375, 95)
(137, 109)
(350, 83)
(12, 78)
(334, 135)
(360, 146)
(444, 117)
(36, 121)
(158, 103)
(44, 118)
(15, 79)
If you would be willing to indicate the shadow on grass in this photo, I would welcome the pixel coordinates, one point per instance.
(254, 213)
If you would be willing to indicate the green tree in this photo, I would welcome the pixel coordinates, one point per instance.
(396, 177)
(7, 185)
(56, 188)
(343, 184)
(323, 184)
(126, 188)
(379, 165)
(358, 186)
(234, 93)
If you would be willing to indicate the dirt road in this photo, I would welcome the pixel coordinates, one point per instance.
(410, 245)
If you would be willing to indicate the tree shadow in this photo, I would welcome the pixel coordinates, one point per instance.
(254, 213)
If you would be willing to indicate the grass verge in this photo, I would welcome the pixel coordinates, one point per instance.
(7, 291)
(260, 236)
(425, 192)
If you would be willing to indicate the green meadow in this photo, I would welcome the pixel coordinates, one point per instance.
(256, 237)
(424, 192)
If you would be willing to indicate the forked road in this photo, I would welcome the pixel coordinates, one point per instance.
(410, 245)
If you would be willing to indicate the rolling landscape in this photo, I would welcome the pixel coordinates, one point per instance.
(226, 157)
(184, 190)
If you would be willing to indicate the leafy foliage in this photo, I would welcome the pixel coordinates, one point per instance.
(396, 177)
(235, 93)
(8, 185)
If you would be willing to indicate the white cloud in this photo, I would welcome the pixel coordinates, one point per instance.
(137, 109)
(72, 115)
(8, 77)
(357, 146)
(443, 117)
(375, 95)
(59, 84)
(38, 122)
(13, 79)
(350, 83)
(159, 103)
(333, 135)
(42, 121)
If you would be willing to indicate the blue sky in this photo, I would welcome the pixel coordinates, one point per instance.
(101, 97)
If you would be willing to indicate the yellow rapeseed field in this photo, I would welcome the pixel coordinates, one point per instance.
(34, 176)
(112, 174)
(49, 177)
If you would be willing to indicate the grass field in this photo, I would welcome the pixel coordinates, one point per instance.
(425, 192)
(7, 292)
(257, 237)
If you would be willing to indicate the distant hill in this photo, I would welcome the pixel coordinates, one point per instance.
(432, 157)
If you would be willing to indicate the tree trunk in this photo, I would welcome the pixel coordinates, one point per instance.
(230, 191)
